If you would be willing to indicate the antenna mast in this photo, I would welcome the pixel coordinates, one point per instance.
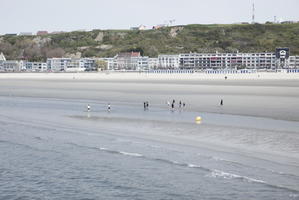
(253, 13)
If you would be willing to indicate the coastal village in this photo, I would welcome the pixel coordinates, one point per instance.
(237, 62)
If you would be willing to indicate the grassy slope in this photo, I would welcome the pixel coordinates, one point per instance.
(190, 38)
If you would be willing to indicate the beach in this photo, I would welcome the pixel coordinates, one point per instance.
(246, 148)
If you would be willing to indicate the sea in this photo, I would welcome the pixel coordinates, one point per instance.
(55, 149)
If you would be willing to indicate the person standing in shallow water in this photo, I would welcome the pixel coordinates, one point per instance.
(109, 107)
(221, 102)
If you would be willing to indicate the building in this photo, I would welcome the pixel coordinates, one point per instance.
(169, 61)
(228, 60)
(140, 28)
(35, 66)
(26, 34)
(71, 64)
(11, 65)
(293, 62)
(11, 34)
(89, 64)
(58, 64)
(153, 63)
(159, 26)
(42, 33)
(130, 61)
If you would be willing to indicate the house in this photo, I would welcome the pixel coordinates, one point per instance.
(11, 65)
(42, 33)
(25, 34)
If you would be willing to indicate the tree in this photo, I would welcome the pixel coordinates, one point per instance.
(101, 65)
(55, 53)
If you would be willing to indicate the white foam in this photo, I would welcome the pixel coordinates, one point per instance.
(193, 166)
(130, 154)
(226, 175)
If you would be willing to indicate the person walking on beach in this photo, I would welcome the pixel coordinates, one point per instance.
(221, 102)
(109, 107)
(88, 108)
(172, 106)
(144, 105)
(180, 104)
(147, 105)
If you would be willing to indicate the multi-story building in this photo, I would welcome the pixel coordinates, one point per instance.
(11, 65)
(35, 66)
(169, 61)
(227, 60)
(58, 64)
(153, 63)
(293, 62)
(71, 64)
(89, 64)
(130, 61)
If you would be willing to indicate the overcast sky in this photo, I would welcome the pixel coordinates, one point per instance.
(66, 15)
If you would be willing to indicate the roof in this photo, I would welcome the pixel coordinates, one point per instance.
(2, 57)
(129, 54)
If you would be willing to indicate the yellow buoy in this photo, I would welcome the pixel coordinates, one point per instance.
(198, 119)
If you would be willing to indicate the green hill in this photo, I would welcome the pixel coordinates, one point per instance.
(168, 40)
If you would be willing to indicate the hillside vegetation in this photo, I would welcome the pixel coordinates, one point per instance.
(168, 40)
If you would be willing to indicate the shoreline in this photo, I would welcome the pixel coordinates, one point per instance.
(153, 76)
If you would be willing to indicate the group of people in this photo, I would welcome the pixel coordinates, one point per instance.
(146, 105)
(108, 107)
(172, 105)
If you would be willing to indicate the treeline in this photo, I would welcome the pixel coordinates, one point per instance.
(167, 40)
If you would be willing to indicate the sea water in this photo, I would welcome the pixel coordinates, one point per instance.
(55, 149)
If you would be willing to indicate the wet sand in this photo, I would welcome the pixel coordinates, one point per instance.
(263, 95)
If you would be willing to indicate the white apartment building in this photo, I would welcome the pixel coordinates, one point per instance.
(153, 63)
(293, 62)
(35, 66)
(58, 64)
(129, 61)
(11, 65)
(227, 60)
(89, 64)
(169, 61)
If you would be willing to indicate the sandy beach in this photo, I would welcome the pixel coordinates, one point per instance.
(271, 95)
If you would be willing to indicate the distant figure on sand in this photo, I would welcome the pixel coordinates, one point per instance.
(180, 104)
(184, 105)
(109, 107)
(144, 105)
(88, 107)
(172, 106)
(221, 102)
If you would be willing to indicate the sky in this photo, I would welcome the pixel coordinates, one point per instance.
(67, 15)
